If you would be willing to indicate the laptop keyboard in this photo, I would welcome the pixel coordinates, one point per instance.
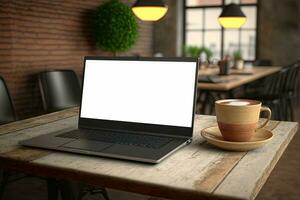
(145, 141)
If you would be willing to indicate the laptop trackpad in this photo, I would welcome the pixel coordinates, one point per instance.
(87, 145)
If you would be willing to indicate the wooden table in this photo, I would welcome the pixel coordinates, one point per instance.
(234, 81)
(197, 171)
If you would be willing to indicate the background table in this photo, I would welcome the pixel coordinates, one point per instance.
(197, 171)
(235, 80)
(234, 83)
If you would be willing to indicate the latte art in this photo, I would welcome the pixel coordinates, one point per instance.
(238, 103)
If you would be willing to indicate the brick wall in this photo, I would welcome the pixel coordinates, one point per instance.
(36, 35)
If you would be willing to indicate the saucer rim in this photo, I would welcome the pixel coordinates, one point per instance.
(204, 131)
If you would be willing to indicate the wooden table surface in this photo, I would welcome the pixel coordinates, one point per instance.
(196, 171)
(234, 81)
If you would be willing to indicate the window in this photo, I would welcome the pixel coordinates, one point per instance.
(201, 28)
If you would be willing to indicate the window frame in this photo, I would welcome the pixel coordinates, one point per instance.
(222, 30)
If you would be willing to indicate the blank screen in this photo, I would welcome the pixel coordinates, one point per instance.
(151, 92)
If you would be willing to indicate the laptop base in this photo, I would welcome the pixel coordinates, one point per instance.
(106, 149)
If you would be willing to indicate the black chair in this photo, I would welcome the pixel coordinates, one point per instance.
(268, 95)
(60, 89)
(279, 92)
(250, 87)
(290, 90)
(262, 62)
(285, 90)
(7, 112)
(7, 115)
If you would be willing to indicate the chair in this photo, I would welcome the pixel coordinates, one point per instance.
(250, 87)
(60, 89)
(7, 112)
(262, 62)
(7, 115)
(286, 90)
(290, 91)
(279, 92)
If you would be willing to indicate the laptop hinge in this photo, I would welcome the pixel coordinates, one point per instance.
(135, 132)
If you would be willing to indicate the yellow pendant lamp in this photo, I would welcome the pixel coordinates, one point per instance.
(149, 10)
(232, 16)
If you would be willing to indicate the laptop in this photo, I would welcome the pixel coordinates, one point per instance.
(139, 109)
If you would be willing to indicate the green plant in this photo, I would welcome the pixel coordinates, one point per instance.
(237, 55)
(207, 51)
(115, 27)
(192, 51)
(195, 51)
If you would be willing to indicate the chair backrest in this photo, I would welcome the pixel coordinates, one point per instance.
(262, 62)
(7, 112)
(60, 89)
(292, 82)
(277, 82)
(285, 82)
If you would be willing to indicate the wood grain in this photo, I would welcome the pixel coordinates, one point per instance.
(247, 178)
(39, 120)
(234, 81)
(217, 173)
(198, 171)
(25, 154)
(9, 142)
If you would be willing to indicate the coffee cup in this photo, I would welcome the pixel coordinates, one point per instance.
(238, 118)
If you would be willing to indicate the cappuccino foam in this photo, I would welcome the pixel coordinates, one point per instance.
(238, 102)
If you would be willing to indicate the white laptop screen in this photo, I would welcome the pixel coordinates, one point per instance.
(151, 92)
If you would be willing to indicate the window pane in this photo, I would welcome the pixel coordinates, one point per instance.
(203, 28)
(212, 40)
(203, 2)
(194, 19)
(211, 18)
(194, 38)
(248, 45)
(248, 1)
(231, 41)
(232, 1)
(250, 13)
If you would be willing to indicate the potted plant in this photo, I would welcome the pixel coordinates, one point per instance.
(207, 52)
(238, 60)
(115, 27)
(196, 52)
(192, 51)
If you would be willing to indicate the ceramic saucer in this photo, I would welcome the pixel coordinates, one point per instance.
(214, 137)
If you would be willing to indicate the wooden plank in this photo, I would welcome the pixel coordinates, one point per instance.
(249, 175)
(190, 169)
(25, 154)
(9, 142)
(39, 120)
(107, 169)
(216, 174)
(194, 172)
(235, 80)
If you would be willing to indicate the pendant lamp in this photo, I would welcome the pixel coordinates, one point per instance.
(149, 10)
(232, 16)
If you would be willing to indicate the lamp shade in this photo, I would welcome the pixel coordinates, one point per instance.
(149, 10)
(232, 16)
